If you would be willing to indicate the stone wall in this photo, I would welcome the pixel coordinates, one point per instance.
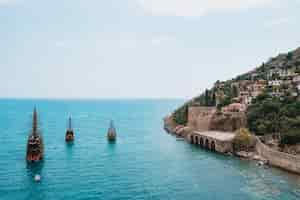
(199, 117)
(279, 159)
(228, 122)
(206, 118)
(200, 140)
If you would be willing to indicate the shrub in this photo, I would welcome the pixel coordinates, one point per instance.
(289, 56)
(242, 140)
(180, 116)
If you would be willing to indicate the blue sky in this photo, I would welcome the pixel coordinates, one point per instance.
(137, 48)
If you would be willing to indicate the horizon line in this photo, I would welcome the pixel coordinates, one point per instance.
(93, 98)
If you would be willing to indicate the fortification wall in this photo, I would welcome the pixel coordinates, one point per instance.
(279, 159)
(206, 118)
(228, 122)
(199, 117)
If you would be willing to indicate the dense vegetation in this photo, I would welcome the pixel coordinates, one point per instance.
(180, 116)
(277, 116)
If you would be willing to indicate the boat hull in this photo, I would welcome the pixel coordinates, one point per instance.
(69, 136)
(35, 149)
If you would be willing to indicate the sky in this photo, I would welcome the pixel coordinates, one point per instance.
(137, 48)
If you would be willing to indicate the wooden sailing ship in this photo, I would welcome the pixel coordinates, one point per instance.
(111, 134)
(35, 146)
(70, 132)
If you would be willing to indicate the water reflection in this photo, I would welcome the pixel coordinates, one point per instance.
(69, 149)
(111, 144)
(34, 169)
(69, 144)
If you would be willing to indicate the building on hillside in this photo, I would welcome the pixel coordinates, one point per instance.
(296, 79)
(234, 107)
(245, 97)
(256, 88)
(285, 72)
(296, 82)
(298, 86)
(294, 94)
(244, 84)
(276, 94)
(274, 83)
(236, 100)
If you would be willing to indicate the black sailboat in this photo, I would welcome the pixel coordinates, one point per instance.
(111, 134)
(70, 132)
(35, 146)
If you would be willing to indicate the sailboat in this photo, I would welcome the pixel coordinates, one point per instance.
(35, 146)
(111, 133)
(70, 132)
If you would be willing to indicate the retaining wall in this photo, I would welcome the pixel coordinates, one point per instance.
(279, 159)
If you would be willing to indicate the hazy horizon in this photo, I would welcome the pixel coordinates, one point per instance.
(137, 49)
(93, 98)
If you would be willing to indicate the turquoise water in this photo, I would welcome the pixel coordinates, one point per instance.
(144, 163)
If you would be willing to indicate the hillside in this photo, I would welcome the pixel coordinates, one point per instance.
(267, 94)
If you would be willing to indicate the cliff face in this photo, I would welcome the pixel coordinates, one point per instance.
(169, 124)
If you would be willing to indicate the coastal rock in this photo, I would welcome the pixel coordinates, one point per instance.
(245, 154)
(169, 124)
(183, 131)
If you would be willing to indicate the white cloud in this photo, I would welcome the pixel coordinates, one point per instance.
(191, 8)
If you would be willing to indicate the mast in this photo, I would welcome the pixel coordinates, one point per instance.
(111, 135)
(70, 133)
(35, 146)
(70, 123)
(111, 126)
(34, 123)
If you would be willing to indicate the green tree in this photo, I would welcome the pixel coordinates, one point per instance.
(235, 91)
(214, 99)
(181, 115)
(206, 97)
(242, 140)
(289, 56)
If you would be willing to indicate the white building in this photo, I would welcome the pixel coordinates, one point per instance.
(275, 83)
(296, 79)
(285, 72)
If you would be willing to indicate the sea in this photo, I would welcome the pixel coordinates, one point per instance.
(144, 163)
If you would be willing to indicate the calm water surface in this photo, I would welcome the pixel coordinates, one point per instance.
(144, 163)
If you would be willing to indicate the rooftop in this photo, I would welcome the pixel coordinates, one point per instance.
(218, 135)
